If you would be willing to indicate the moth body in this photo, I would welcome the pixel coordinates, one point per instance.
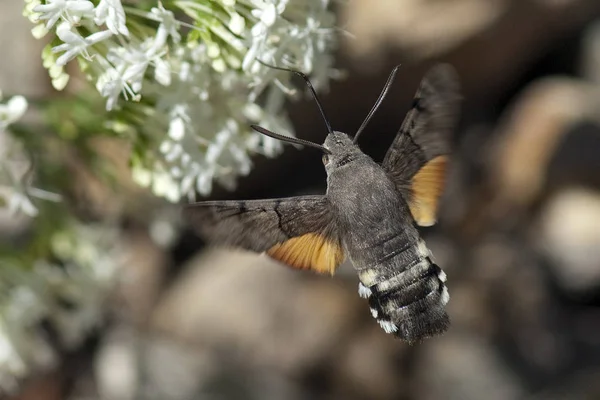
(405, 289)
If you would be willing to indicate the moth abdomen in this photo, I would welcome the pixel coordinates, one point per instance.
(410, 304)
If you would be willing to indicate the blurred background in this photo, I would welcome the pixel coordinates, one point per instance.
(518, 233)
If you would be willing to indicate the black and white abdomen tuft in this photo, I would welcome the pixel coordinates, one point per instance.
(411, 303)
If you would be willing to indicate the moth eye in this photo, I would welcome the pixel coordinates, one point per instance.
(325, 159)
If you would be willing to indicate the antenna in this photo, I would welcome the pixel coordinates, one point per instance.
(310, 86)
(289, 139)
(382, 95)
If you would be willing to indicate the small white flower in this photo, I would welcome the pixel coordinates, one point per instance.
(204, 181)
(17, 192)
(162, 71)
(175, 152)
(177, 128)
(74, 44)
(237, 24)
(242, 159)
(163, 185)
(111, 13)
(270, 11)
(110, 85)
(141, 176)
(169, 26)
(12, 111)
(39, 31)
(131, 63)
(70, 10)
(20, 203)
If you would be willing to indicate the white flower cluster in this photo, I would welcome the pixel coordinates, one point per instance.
(15, 166)
(196, 96)
(69, 297)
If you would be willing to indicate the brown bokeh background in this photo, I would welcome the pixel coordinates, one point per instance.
(519, 230)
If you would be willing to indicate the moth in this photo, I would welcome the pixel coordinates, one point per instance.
(368, 213)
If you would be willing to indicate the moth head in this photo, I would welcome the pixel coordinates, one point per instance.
(342, 149)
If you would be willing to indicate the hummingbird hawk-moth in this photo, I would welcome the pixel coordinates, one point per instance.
(368, 213)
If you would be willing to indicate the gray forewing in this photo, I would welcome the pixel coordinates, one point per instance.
(259, 224)
(426, 130)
